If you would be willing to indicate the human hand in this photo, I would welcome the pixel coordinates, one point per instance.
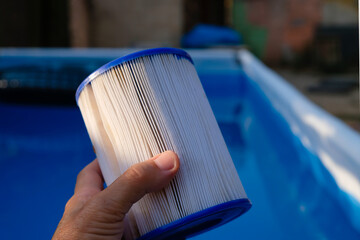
(97, 213)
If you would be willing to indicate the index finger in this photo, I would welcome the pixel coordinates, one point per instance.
(89, 180)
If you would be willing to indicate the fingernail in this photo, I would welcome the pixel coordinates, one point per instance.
(165, 161)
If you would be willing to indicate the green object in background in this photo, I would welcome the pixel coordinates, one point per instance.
(254, 36)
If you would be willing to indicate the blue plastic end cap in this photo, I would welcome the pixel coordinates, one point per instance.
(200, 222)
(148, 52)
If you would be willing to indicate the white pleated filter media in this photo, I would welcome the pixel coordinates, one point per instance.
(150, 104)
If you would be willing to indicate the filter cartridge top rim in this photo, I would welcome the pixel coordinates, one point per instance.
(129, 57)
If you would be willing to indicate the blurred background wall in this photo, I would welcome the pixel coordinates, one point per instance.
(283, 30)
(135, 23)
(278, 31)
(34, 23)
(276, 28)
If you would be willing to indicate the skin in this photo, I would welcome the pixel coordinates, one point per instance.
(97, 213)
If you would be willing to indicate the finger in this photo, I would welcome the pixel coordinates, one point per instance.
(148, 176)
(89, 180)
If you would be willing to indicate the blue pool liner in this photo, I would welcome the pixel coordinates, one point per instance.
(294, 193)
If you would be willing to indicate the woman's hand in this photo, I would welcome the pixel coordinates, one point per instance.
(97, 213)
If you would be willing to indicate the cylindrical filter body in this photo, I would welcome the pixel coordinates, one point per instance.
(140, 105)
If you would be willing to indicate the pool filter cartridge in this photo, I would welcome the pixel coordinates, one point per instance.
(140, 105)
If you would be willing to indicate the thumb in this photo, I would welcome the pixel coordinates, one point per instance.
(148, 176)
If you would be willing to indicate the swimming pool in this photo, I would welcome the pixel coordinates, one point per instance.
(299, 166)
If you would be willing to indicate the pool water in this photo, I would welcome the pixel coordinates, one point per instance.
(42, 148)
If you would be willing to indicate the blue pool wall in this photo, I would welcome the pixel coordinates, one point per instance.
(295, 192)
(331, 148)
(307, 201)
